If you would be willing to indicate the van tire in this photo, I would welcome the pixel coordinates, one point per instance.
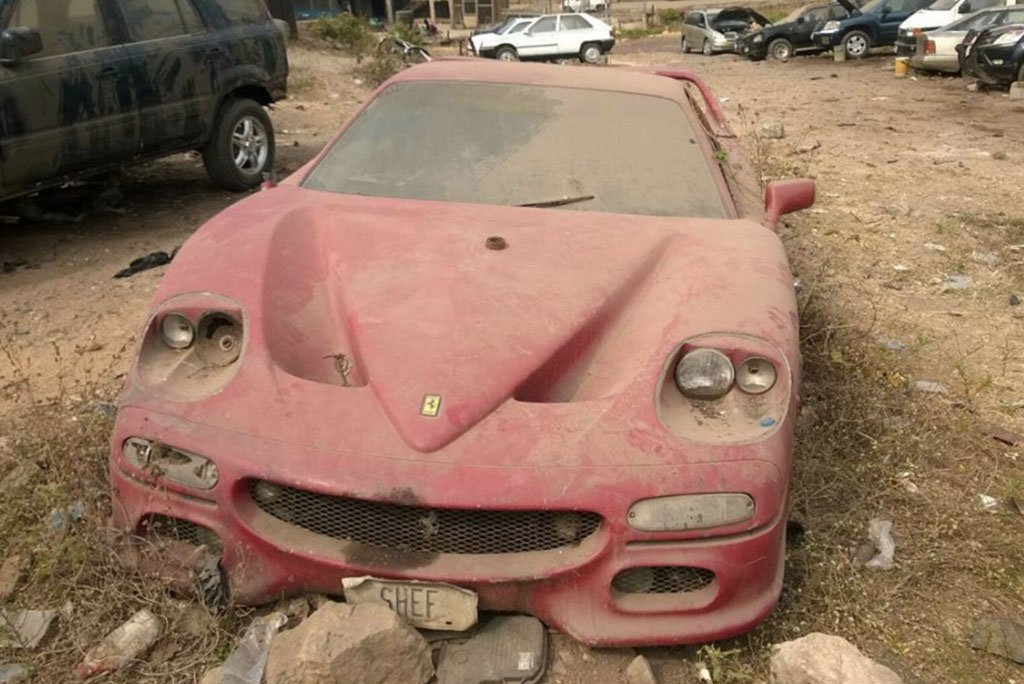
(242, 129)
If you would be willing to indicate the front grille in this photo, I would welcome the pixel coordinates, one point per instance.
(662, 580)
(162, 527)
(424, 530)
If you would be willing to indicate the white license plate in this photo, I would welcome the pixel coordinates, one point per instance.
(429, 605)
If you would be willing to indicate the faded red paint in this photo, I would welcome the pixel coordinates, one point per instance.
(548, 356)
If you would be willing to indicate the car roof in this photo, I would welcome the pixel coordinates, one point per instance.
(491, 71)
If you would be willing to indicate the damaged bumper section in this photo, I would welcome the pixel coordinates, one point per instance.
(576, 562)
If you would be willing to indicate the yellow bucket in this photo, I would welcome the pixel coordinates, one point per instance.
(902, 67)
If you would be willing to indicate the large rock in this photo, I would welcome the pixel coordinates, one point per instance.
(640, 672)
(1000, 636)
(826, 659)
(341, 643)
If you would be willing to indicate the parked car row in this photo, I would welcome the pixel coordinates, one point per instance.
(982, 38)
(547, 37)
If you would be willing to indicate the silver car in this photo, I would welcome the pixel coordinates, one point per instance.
(936, 49)
(717, 30)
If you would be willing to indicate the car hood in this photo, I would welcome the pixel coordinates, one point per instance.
(388, 302)
(739, 14)
(850, 7)
(926, 19)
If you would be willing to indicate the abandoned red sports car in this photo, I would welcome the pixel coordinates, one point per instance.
(522, 333)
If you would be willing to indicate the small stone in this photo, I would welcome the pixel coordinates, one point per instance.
(11, 573)
(1001, 637)
(826, 659)
(1017, 91)
(990, 259)
(1014, 300)
(295, 609)
(341, 642)
(773, 130)
(974, 86)
(640, 672)
(13, 673)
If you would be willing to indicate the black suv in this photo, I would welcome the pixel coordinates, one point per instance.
(790, 35)
(87, 86)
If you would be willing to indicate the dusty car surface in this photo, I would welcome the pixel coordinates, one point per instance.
(489, 355)
(87, 86)
(717, 30)
(936, 50)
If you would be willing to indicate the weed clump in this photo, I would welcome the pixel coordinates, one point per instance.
(347, 32)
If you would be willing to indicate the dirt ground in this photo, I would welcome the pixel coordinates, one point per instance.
(918, 181)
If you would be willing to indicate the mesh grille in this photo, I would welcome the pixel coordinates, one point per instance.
(662, 580)
(157, 527)
(425, 530)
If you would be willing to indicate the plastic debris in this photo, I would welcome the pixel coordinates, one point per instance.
(880, 532)
(60, 519)
(123, 645)
(151, 260)
(703, 674)
(509, 649)
(989, 503)
(1001, 637)
(900, 268)
(246, 663)
(13, 673)
(930, 387)
(1001, 435)
(934, 247)
(957, 282)
(25, 628)
(892, 345)
(767, 422)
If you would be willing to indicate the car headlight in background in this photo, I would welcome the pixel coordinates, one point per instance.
(1009, 37)
(758, 38)
(830, 26)
(704, 374)
(690, 512)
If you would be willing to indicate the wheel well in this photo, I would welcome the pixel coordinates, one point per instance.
(251, 92)
(503, 46)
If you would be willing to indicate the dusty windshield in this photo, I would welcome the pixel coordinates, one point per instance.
(506, 144)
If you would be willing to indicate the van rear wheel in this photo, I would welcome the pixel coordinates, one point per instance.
(241, 148)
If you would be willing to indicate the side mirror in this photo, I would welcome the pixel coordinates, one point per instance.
(786, 196)
(965, 8)
(19, 43)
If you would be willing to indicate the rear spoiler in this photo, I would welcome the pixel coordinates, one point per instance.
(715, 113)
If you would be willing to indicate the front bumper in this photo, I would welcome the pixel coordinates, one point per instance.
(752, 50)
(991, 64)
(723, 45)
(265, 558)
(827, 40)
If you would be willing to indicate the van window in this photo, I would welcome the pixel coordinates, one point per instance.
(152, 19)
(244, 11)
(65, 27)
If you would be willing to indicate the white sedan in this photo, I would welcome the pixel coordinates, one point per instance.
(552, 36)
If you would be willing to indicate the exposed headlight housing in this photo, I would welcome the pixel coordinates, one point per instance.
(756, 375)
(690, 512)
(704, 373)
(162, 461)
(758, 38)
(830, 26)
(176, 331)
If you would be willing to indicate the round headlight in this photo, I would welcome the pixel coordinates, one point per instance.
(704, 374)
(756, 375)
(176, 331)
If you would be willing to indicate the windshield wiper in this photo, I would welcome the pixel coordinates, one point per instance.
(559, 202)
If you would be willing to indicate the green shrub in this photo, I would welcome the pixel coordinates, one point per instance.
(670, 16)
(348, 31)
(380, 68)
(409, 34)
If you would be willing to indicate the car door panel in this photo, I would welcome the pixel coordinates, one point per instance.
(170, 57)
(539, 40)
(70, 108)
